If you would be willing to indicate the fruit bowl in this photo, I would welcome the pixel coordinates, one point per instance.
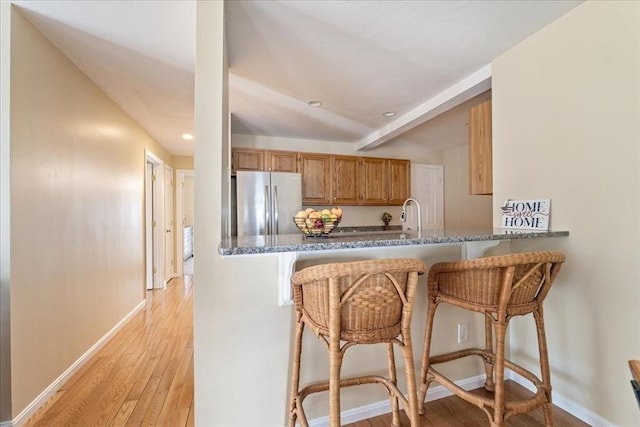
(316, 224)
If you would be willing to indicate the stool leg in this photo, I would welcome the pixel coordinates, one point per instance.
(424, 384)
(295, 373)
(410, 373)
(498, 397)
(391, 362)
(489, 383)
(544, 366)
(335, 364)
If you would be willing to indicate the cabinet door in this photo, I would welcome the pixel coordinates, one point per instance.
(399, 181)
(480, 149)
(374, 181)
(316, 183)
(247, 159)
(282, 161)
(345, 175)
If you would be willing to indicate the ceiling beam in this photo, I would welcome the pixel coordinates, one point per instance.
(471, 86)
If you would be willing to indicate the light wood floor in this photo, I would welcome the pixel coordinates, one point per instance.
(455, 412)
(144, 376)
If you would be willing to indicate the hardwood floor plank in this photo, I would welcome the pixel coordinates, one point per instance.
(144, 376)
(145, 366)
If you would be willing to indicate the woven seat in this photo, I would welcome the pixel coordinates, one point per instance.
(499, 287)
(345, 304)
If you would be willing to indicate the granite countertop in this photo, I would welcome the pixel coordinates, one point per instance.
(357, 239)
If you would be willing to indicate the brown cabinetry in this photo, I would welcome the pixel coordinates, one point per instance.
(399, 181)
(480, 149)
(249, 159)
(333, 179)
(345, 175)
(282, 161)
(374, 181)
(316, 178)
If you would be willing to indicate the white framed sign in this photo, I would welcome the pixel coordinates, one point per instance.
(526, 214)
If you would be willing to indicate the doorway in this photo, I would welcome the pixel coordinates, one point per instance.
(154, 221)
(427, 186)
(185, 220)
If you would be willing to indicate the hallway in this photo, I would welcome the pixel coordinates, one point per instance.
(142, 376)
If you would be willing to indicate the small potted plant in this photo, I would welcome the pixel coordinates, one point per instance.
(386, 218)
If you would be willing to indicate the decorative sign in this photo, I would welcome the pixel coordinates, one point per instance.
(526, 214)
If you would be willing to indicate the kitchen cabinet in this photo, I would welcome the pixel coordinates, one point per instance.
(345, 174)
(281, 161)
(247, 159)
(329, 179)
(374, 181)
(399, 181)
(316, 178)
(480, 149)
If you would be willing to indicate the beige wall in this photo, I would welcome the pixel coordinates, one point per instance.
(463, 210)
(77, 183)
(183, 162)
(567, 126)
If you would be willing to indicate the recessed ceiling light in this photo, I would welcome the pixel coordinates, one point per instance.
(389, 113)
(314, 103)
(187, 136)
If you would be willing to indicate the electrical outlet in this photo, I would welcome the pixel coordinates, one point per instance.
(463, 332)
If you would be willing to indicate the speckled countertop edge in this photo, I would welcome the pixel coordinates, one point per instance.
(253, 245)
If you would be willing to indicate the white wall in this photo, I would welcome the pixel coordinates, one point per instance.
(5, 202)
(187, 201)
(567, 126)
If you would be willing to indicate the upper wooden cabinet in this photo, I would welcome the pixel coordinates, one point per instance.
(399, 181)
(345, 175)
(281, 161)
(316, 178)
(333, 179)
(249, 159)
(374, 181)
(480, 149)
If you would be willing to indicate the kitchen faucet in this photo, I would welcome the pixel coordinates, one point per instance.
(403, 215)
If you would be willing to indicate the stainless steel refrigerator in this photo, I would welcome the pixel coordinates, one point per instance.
(266, 202)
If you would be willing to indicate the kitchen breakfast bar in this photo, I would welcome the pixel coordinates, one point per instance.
(296, 251)
(270, 319)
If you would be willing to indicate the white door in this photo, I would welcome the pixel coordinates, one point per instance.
(427, 186)
(169, 222)
(149, 225)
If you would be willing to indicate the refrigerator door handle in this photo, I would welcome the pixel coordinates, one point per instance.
(275, 209)
(267, 207)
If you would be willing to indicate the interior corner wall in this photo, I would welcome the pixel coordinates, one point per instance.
(462, 209)
(77, 213)
(566, 105)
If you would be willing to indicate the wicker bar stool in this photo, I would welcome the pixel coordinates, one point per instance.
(499, 287)
(345, 304)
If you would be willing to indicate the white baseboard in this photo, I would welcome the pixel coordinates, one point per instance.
(384, 407)
(66, 375)
(565, 404)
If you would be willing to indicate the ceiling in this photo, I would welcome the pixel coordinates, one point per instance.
(421, 59)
